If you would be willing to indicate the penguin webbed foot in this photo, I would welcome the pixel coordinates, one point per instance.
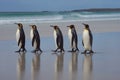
(77, 50)
(91, 51)
(17, 51)
(24, 50)
(61, 50)
(74, 50)
(84, 52)
(37, 51)
(55, 50)
(21, 50)
(87, 52)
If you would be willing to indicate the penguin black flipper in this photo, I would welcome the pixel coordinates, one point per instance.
(21, 38)
(60, 37)
(19, 41)
(91, 41)
(58, 41)
(91, 37)
(33, 39)
(76, 40)
(74, 37)
(37, 39)
(61, 42)
(82, 43)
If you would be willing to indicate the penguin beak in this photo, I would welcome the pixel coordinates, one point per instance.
(84, 24)
(16, 23)
(30, 25)
(68, 26)
(51, 26)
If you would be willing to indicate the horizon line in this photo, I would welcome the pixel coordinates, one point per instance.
(88, 9)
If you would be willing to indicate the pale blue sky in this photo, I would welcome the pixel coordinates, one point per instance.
(55, 5)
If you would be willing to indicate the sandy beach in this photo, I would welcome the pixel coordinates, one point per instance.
(103, 65)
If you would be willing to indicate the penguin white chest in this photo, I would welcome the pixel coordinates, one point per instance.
(86, 40)
(70, 38)
(55, 37)
(17, 34)
(18, 37)
(31, 34)
(69, 34)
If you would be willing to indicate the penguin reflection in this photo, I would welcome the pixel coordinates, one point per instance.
(73, 67)
(59, 66)
(36, 66)
(87, 67)
(21, 66)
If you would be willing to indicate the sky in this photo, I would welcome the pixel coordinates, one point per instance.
(55, 5)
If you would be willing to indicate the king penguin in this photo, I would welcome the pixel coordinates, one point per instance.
(20, 37)
(58, 38)
(35, 37)
(87, 39)
(73, 38)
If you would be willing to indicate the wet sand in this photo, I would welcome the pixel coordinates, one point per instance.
(102, 65)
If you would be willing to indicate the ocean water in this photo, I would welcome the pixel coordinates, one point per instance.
(47, 16)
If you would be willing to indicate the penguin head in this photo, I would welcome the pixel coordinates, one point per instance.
(71, 26)
(86, 26)
(55, 27)
(34, 27)
(20, 26)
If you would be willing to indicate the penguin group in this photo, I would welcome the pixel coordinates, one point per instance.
(87, 39)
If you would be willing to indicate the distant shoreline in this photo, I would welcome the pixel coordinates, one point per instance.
(76, 10)
(98, 9)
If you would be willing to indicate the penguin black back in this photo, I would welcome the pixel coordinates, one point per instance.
(58, 38)
(73, 37)
(20, 37)
(35, 38)
(87, 39)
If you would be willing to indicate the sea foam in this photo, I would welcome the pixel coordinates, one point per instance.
(42, 17)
